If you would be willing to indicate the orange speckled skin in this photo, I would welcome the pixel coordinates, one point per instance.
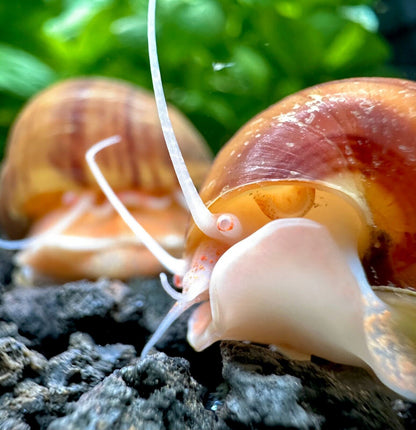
(46, 150)
(364, 129)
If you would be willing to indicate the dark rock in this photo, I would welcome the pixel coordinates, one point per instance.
(47, 315)
(17, 409)
(34, 402)
(84, 365)
(10, 329)
(154, 394)
(6, 266)
(265, 401)
(155, 304)
(148, 296)
(109, 311)
(15, 359)
(265, 390)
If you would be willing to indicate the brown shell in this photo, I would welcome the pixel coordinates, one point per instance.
(46, 150)
(355, 136)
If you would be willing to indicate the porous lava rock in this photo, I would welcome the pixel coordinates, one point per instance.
(69, 359)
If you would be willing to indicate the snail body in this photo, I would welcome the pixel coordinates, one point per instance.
(303, 233)
(45, 178)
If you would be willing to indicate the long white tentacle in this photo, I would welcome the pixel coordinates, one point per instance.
(220, 227)
(175, 312)
(172, 264)
(75, 212)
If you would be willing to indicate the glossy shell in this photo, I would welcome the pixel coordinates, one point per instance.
(46, 150)
(353, 138)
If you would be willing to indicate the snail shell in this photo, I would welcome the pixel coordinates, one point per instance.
(45, 159)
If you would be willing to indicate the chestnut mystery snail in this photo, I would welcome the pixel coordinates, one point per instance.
(48, 193)
(306, 205)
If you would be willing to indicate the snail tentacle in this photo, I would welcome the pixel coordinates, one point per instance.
(206, 221)
(83, 205)
(183, 303)
(169, 289)
(175, 312)
(15, 245)
(173, 264)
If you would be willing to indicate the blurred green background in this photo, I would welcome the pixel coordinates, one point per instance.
(222, 61)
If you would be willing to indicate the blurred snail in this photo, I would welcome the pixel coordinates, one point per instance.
(307, 203)
(47, 191)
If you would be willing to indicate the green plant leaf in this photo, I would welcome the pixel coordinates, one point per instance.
(22, 74)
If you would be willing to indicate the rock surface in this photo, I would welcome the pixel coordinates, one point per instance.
(154, 393)
(267, 390)
(69, 359)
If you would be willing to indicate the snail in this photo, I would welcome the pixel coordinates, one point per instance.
(48, 194)
(307, 204)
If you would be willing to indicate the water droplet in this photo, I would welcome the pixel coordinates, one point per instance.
(215, 405)
(220, 66)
